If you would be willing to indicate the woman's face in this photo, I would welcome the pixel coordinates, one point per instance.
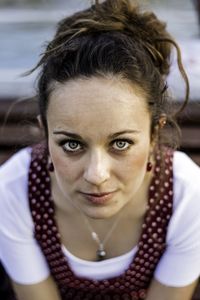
(99, 143)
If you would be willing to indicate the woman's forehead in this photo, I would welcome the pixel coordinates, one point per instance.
(97, 104)
(97, 91)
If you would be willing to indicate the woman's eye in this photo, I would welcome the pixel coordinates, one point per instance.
(72, 146)
(122, 144)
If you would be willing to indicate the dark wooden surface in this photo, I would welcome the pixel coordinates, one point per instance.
(18, 125)
(18, 128)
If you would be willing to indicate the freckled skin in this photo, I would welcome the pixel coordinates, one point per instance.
(95, 109)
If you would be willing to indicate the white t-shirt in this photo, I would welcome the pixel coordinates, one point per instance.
(25, 263)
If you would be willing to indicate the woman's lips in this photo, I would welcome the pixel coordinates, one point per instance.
(100, 198)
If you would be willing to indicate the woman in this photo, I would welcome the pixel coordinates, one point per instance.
(104, 208)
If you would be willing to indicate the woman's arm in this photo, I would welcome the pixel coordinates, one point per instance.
(158, 291)
(45, 290)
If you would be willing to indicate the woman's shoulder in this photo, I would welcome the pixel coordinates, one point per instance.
(183, 233)
(186, 174)
(18, 246)
(15, 215)
(186, 200)
(15, 167)
(184, 166)
(14, 183)
(186, 181)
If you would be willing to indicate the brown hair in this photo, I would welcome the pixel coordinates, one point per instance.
(114, 37)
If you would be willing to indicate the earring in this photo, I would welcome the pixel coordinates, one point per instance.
(50, 165)
(162, 121)
(149, 166)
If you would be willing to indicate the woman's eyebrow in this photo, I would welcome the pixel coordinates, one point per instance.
(114, 135)
(77, 136)
(69, 134)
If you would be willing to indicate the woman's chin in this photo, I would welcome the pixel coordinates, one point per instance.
(101, 212)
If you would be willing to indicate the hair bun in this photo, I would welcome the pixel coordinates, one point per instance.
(124, 16)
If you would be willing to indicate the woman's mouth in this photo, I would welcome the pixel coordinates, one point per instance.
(98, 198)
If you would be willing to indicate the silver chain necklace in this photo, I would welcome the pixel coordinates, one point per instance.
(101, 252)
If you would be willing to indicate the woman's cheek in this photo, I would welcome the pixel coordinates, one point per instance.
(137, 160)
(62, 166)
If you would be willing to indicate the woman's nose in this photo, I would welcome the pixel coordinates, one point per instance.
(97, 168)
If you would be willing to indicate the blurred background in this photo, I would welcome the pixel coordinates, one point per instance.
(25, 25)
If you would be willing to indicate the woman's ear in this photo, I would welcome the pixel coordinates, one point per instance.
(154, 136)
(39, 119)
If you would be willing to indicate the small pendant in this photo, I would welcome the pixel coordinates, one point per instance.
(101, 254)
